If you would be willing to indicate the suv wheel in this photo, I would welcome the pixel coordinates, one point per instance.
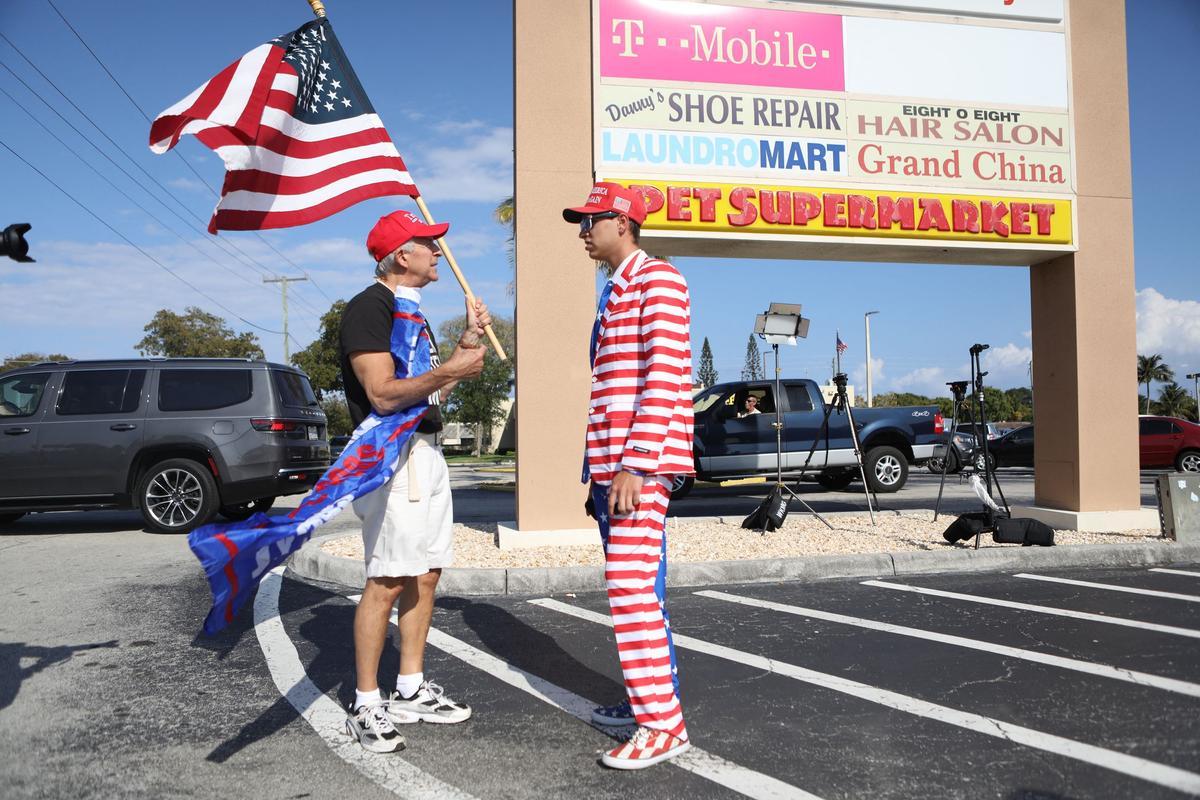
(1188, 461)
(681, 485)
(934, 464)
(177, 495)
(241, 511)
(886, 468)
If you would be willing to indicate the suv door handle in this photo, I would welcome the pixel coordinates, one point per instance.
(122, 426)
(15, 431)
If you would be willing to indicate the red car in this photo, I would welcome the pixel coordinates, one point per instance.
(1169, 442)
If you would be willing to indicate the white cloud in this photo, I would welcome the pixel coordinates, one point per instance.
(1007, 358)
(929, 381)
(480, 169)
(1167, 326)
(189, 185)
(858, 375)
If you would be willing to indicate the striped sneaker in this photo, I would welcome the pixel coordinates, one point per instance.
(644, 749)
(613, 716)
(374, 731)
(429, 704)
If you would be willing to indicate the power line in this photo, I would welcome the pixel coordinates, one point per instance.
(118, 148)
(134, 245)
(188, 164)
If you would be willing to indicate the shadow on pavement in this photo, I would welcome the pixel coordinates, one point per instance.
(12, 674)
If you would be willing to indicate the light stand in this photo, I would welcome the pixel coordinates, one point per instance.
(959, 391)
(781, 323)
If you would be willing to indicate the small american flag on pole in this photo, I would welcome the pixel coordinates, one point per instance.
(299, 138)
(841, 346)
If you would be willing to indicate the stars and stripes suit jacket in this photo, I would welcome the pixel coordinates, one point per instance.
(640, 411)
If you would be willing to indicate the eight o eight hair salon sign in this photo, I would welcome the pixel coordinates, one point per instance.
(880, 122)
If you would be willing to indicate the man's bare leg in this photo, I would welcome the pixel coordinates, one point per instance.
(370, 627)
(416, 614)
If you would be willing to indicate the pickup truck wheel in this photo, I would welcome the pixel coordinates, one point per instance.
(242, 511)
(886, 468)
(836, 481)
(1188, 461)
(177, 495)
(681, 486)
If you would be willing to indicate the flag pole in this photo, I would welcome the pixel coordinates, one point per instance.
(837, 353)
(318, 8)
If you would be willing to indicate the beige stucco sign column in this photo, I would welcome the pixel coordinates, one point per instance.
(961, 132)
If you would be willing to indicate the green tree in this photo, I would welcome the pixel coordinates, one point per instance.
(893, 399)
(25, 359)
(1174, 401)
(1150, 369)
(337, 414)
(322, 359)
(479, 402)
(195, 334)
(1021, 399)
(752, 370)
(506, 214)
(706, 375)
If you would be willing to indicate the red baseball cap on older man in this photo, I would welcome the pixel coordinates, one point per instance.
(398, 227)
(610, 198)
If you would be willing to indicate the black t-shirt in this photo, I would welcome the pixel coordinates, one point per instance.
(367, 326)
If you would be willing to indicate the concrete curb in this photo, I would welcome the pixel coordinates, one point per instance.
(314, 563)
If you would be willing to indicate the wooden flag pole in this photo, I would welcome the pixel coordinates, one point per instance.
(319, 9)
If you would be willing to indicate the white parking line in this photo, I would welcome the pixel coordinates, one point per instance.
(1103, 670)
(1176, 571)
(1058, 612)
(1140, 768)
(699, 762)
(325, 716)
(1111, 587)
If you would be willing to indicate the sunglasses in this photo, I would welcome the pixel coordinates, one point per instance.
(586, 222)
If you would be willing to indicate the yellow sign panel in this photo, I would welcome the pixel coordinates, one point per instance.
(701, 208)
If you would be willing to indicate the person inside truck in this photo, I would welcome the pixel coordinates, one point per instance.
(748, 406)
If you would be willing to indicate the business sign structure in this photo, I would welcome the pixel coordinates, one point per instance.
(941, 122)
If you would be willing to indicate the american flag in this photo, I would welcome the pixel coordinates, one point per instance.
(841, 346)
(299, 138)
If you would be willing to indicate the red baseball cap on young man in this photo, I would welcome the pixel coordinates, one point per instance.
(397, 228)
(610, 197)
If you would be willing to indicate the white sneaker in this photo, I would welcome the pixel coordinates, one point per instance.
(374, 731)
(429, 704)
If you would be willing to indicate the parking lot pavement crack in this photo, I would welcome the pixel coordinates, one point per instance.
(1006, 677)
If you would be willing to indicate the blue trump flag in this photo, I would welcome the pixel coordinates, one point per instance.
(235, 556)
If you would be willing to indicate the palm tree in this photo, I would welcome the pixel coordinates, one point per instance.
(1174, 401)
(1150, 369)
(506, 215)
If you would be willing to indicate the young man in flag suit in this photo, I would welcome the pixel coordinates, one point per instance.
(639, 436)
(407, 522)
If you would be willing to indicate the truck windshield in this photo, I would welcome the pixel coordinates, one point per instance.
(705, 400)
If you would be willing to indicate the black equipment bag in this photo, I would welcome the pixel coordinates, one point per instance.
(969, 525)
(770, 514)
(1024, 532)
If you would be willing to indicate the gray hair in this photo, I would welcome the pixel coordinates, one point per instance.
(387, 264)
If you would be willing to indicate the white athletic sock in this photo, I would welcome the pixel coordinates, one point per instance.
(407, 685)
(367, 698)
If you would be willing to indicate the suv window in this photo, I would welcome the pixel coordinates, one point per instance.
(20, 395)
(101, 391)
(294, 389)
(202, 389)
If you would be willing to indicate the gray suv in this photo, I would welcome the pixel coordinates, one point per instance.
(180, 439)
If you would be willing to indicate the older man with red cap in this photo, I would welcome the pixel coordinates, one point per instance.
(407, 522)
(639, 437)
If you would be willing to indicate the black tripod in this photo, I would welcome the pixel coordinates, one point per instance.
(841, 403)
(979, 412)
(958, 389)
(773, 510)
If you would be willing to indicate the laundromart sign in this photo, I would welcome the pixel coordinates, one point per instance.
(897, 122)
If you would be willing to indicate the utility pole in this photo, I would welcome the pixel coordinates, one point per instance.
(1195, 376)
(283, 283)
(867, 325)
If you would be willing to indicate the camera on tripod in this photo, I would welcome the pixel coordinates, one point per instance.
(13, 244)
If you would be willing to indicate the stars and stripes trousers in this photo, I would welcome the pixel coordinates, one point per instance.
(635, 572)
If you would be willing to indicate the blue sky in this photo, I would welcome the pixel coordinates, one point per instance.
(440, 76)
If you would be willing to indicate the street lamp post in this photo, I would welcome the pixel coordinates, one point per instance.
(867, 325)
(1195, 376)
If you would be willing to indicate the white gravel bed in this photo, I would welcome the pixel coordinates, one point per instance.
(710, 540)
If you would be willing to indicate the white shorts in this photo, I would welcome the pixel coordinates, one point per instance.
(403, 537)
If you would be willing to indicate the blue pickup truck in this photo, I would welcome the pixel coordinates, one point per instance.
(732, 444)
